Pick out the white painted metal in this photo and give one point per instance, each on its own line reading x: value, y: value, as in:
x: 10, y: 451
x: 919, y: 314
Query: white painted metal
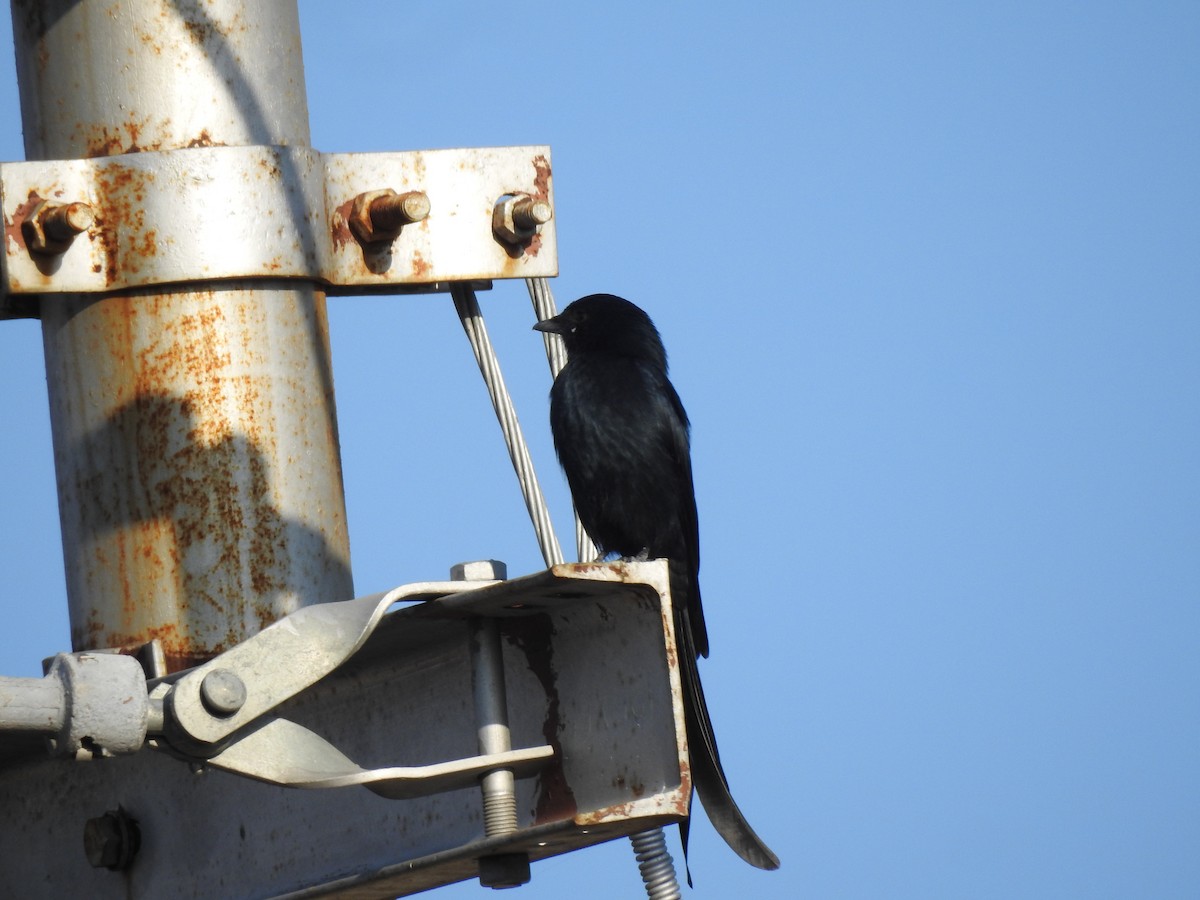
x: 194, y: 428
x: 210, y: 213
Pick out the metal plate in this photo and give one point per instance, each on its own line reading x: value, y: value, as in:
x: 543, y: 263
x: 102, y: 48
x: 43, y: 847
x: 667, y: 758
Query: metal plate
x: 215, y: 213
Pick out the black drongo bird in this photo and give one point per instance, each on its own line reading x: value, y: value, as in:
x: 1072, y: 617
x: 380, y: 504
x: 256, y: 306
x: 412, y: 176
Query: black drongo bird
x: 622, y: 437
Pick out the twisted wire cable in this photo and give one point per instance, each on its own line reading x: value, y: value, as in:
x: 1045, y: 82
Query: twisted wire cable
x: 469, y: 314
x: 556, y: 354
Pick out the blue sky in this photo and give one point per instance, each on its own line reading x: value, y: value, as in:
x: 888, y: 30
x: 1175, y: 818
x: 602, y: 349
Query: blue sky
x: 929, y: 276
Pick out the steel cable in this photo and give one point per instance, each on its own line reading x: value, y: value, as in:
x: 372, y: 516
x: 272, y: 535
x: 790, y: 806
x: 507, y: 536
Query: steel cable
x: 556, y: 354
x: 485, y: 354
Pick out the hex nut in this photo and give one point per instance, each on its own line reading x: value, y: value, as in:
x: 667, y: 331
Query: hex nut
x: 516, y: 218
x: 377, y: 217
x: 479, y: 570
x: 112, y: 840
x: 51, y: 227
x: 504, y: 870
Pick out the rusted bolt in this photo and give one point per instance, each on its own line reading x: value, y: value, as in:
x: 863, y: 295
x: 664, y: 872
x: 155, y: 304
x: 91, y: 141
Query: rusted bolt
x: 516, y: 218
x: 530, y: 213
x: 378, y: 216
x: 112, y: 840
x: 222, y: 692
x: 51, y: 227
x: 397, y: 210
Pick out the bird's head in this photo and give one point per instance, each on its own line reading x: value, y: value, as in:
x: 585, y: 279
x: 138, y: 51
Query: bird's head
x: 604, y: 324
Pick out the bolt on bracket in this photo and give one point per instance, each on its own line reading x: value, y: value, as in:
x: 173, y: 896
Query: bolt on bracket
x: 51, y: 227
x: 213, y: 213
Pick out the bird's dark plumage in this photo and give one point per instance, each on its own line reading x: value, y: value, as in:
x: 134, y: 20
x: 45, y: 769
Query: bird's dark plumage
x: 622, y: 437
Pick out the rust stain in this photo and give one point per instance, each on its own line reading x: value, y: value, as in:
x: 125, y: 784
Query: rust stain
x: 541, y: 178
x: 148, y: 246
x: 615, y: 570
x: 607, y: 813
x: 420, y: 266
x: 119, y: 139
x: 532, y: 636
x: 534, y: 247
x: 204, y: 139
x: 270, y: 169
x: 517, y: 254
x: 541, y: 191
x: 339, y: 227
x: 14, y: 227
x: 150, y: 41
x: 200, y: 32
x: 685, y: 784
x: 176, y: 650
x: 120, y: 217
x: 677, y: 807
x: 105, y: 144
x: 185, y: 519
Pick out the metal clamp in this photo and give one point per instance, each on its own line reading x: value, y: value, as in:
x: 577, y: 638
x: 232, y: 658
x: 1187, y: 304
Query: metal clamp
x: 220, y: 714
x: 348, y: 220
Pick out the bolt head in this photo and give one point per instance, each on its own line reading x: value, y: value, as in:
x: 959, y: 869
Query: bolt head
x: 112, y: 840
x: 222, y: 692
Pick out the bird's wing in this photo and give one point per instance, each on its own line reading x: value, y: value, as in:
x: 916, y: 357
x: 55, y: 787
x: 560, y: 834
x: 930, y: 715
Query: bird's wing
x: 678, y: 440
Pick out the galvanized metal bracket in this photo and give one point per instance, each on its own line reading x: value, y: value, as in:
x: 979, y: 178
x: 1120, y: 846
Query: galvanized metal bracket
x: 100, y: 704
x: 209, y: 704
x: 354, y: 222
x: 591, y: 668
x: 220, y: 711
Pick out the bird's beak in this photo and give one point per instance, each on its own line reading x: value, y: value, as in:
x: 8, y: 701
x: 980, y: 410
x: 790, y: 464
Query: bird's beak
x: 550, y: 326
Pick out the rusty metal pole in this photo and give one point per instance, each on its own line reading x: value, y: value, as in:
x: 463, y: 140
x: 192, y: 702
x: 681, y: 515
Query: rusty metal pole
x: 195, y: 437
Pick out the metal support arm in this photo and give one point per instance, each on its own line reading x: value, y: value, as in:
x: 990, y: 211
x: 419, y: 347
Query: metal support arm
x: 220, y: 712
x: 590, y: 668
